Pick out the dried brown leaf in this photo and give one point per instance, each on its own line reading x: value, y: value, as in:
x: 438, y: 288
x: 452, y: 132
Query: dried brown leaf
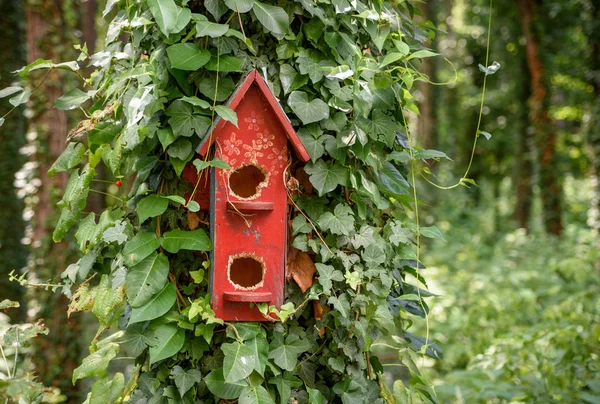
x: 193, y: 220
x: 300, y: 268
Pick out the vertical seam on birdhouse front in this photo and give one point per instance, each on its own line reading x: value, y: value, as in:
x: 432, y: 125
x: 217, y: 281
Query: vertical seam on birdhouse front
x: 253, y: 256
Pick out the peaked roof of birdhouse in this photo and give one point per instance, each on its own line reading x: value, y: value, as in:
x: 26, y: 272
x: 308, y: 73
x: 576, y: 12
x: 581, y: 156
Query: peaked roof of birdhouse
x: 254, y: 78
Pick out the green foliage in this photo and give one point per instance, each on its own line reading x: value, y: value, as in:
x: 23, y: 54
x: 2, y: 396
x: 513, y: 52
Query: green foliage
x: 519, y: 320
x: 156, y: 97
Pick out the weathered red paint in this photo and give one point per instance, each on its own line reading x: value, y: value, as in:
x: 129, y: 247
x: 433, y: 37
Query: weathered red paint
x: 252, y: 228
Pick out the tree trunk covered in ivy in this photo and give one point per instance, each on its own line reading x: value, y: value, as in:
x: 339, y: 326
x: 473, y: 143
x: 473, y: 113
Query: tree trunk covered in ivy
x: 12, y: 138
x: 545, y: 131
x: 57, y: 355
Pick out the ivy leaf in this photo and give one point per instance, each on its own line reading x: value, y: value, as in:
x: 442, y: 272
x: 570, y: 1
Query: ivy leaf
x: 166, y: 137
x: 211, y: 29
x: 307, y: 111
x: 176, y: 240
x: 325, y: 177
x: 339, y: 222
x: 106, y: 300
x: 73, y: 99
x: 260, y: 351
x: 140, y: 246
x: 146, y: 279
x: 392, y: 181
x: 151, y: 206
x: 197, y: 102
x: 104, y: 132
x: 255, y: 395
x: 284, y: 383
x: 96, y: 363
x: 107, y: 391
x: 341, y: 304
x: 21, y: 98
x: 239, y: 361
x: 285, y: 354
x: 187, y: 56
x: 273, y: 18
x: 340, y: 72
x: 169, y: 341
x: 424, y: 53
x: 185, y: 379
x: 184, y: 122
x: 219, y: 387
x: 157, y: 306
x: 5, y: 92
x: 69, y: 158
x: 313, y: 146
x: 223, y: 90
x: 328, y: 274
x: 181, y: 149
x: 169, y: 17
x: 224, y: 64
x: 241, y: 6
x: 227, y: 113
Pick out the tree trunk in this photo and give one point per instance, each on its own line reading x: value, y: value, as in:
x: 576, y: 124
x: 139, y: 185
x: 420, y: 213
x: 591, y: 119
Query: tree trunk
x: 12, y: 138
x: 57, y: 355
x: 524, y: 160
x: 426, y: 122
x: 545, y: 132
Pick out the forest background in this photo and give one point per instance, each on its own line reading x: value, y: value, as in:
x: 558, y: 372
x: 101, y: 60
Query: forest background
x: 517, y: 315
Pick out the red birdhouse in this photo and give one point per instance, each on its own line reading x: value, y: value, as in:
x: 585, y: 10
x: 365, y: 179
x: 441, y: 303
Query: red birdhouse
x: 248, y: 204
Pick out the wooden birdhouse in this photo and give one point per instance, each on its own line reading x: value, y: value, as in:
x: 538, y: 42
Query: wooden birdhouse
x: 248, y: 204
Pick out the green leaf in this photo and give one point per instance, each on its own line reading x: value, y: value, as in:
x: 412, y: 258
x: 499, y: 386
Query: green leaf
x: 96, y: 363
x: 169, y: 17
x: 169, y: 341
x: 224, y: 64
x: 431, y: 232
x: 284, y: 383
x: 140, y: 246
x: 216, y: 162
x: 325, y: 177
x: 328, y: 274
x: 106, y: 300
x: 493, y: 68
x: 73, y: 99
x: 285, y: 354
x: 216, y: 7
x: 151, y: 206
x: 211, y: 29
x: 430, y: 154
x: 313, y: 146
x: 185, y: 379
x: 392, y: 181
x: 424, y: 53
x: 176, y: 240
x: 187, y: 56
x: 307, y: 111
x: 184, y: 122
x: 487, y: 135
x: 166, y: 137
x: 239, y: 361
x: 69, y: 158
x: 260, y: 350
x: 107, y: 391
x: 340, y: 72
x: 181, y: 149
x: 223, y: 90
x: 340, y: 222
x: 5, y: 92
x: 273, y: 18
x: 219, y: 387
x: 21, y: 98
x: 227, y: 113
x: 146, y: 279
x: 255, y: 395
x: 197, y: 102
x: 391, y: 58
x: 241, y: 6
x: 157, y: 306
x: 175, y: 198
x: 104, y: 132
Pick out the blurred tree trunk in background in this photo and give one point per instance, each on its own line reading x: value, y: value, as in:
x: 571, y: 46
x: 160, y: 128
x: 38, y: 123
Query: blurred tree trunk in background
x: 545, y: 132
x: 49, y: 33
x: 12, y: 138
x: 524, y: 160
x: 426, y: 122
x: 593, y: 34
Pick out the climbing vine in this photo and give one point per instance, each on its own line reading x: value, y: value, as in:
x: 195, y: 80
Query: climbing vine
x: 343, y: 72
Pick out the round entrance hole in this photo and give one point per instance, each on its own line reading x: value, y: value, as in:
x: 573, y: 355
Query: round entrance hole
x: 246, y: 272
x: 246, y: 181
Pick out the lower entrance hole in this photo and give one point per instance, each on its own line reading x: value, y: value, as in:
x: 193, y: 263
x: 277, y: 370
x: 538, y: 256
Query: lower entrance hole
x: 247, y: 181
x: 246, y: 272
